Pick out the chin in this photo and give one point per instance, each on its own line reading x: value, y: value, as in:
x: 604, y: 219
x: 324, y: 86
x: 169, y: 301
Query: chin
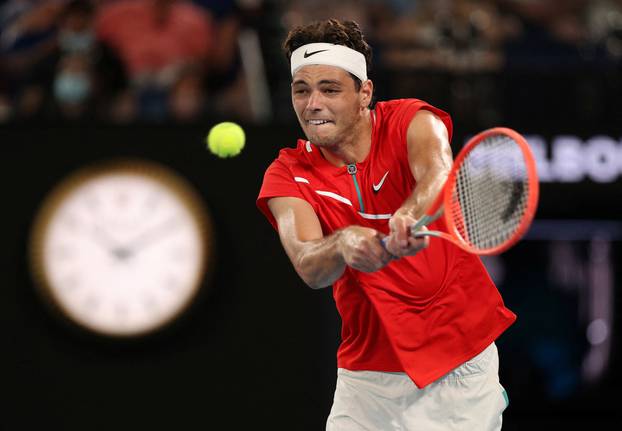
x: 322, y: 140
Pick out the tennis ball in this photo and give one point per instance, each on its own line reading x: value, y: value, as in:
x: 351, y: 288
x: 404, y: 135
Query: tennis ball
x: 226, y: 139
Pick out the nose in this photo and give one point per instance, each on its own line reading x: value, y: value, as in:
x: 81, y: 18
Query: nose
x: 314, y: 103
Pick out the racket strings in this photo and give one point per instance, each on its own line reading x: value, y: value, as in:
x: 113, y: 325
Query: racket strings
x: 491, y: 193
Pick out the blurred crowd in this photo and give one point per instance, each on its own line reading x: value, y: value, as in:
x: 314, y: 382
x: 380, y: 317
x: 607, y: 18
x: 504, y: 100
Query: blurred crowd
x: 124, y: 61
x: 120, y: 61
x: 477, y: 35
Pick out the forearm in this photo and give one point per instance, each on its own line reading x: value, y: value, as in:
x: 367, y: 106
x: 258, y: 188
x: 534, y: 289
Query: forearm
x: 424, y: 194
x: 318, y: 259
x: 320, y: 262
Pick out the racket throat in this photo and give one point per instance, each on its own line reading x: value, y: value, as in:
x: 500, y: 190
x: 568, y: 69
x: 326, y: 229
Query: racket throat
x: 352, y: 171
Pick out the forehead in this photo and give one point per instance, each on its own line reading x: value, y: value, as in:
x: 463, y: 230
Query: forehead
x: 315, y: 73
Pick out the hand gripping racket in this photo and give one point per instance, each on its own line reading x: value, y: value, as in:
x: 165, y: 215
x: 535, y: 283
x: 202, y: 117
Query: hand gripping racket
x: 490, y: 196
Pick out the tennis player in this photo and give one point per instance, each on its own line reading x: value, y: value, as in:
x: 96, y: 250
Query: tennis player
x: 419, y: 317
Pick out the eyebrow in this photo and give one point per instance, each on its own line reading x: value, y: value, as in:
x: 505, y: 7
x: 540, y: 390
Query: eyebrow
x: 323, y: 81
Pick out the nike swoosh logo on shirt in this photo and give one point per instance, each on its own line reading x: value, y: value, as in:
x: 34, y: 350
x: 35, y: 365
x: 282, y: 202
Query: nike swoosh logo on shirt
x: 309, y: 54
x: 379, y: 185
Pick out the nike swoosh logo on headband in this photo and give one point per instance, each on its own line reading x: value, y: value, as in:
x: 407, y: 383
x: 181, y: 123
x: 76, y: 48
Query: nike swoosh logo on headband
x: 309, y: 54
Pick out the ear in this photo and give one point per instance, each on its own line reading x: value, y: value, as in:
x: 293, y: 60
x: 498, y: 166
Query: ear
x: 366, y: 93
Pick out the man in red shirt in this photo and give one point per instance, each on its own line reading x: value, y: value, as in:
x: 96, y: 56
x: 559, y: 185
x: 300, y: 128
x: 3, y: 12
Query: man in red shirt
x: 419, y: 316
x: 155, y: 36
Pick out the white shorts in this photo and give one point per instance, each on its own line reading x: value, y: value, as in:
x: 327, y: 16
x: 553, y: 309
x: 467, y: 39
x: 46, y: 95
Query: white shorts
x: 468, y: 398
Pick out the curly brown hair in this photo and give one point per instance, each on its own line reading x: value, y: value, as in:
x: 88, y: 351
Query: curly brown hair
x: 347, y: 33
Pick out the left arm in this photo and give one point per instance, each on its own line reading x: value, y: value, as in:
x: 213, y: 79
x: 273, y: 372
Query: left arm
x: 430, y: 160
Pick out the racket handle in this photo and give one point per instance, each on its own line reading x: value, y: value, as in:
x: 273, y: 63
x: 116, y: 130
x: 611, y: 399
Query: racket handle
x: 421, y: 234
x: 414, y: 229
x: 424, y: 233
x: 424, y: 221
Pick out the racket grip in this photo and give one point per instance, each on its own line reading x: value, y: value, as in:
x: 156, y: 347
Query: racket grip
x: 422, y: 222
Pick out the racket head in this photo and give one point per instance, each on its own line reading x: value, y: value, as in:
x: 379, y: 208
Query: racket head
x: 491, y: 194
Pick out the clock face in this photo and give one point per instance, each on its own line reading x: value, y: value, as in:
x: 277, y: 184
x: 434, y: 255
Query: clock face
x: 121, y: 250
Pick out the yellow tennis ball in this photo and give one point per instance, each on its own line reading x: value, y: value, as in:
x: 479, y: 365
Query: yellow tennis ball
x: 226, y: 139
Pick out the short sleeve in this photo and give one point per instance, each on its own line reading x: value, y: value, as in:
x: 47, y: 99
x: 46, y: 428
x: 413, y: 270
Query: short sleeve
x: 277, y: 182
x: 410, y: 107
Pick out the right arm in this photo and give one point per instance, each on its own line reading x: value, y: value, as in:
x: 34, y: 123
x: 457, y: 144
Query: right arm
x: 320, y: 260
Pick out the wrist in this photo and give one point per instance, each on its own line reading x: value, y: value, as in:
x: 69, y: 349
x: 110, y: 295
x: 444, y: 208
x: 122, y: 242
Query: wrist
x: 405, y: 211
x: 340, y: 244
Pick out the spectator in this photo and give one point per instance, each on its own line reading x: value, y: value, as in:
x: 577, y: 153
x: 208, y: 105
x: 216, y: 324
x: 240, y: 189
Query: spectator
x: 551, y: 34
x: 604, y: 27
x: 187, y: 98
x: 27, y: 42
x: 78, y: 77
x: 87, y: 75
x: 156, y: 40
x: 225, y: 81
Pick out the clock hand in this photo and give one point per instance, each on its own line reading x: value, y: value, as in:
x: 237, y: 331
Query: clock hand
x: 111, y: 245
x: 152, y: 235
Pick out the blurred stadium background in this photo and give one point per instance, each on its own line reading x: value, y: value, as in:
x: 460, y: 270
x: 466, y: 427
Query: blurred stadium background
x: 87, y: 81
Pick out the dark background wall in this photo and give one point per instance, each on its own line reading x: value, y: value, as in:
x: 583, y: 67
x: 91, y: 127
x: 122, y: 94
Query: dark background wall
x: 257, y: 351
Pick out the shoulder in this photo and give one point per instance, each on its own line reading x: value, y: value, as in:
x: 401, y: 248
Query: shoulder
x: 400, y: 112
x: 399, y: 106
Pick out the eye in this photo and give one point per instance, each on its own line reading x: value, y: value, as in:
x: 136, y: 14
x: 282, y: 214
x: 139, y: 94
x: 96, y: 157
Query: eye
x: 300, y: 91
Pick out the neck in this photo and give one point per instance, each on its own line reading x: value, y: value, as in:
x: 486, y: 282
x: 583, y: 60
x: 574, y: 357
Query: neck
x: 355, y: 147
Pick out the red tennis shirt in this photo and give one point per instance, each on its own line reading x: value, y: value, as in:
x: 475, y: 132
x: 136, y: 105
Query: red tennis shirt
x: 423, y: 315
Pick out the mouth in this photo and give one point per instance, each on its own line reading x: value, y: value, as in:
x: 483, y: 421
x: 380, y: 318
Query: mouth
x: 318, y: 122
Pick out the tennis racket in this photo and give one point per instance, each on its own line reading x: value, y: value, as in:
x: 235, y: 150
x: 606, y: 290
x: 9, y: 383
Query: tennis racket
x: 490, y: 196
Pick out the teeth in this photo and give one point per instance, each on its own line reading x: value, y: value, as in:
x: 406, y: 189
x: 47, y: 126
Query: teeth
x: 317, y: 122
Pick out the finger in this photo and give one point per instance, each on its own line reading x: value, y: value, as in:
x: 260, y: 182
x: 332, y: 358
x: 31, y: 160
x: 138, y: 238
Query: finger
x: 419, y: 242
x: 364, y: 260
x: 384, y: 240
x: 385, y: 256
x: 392, y: 246
x: 379, y: 257
x: 376, y: 257
x: 402, y: 232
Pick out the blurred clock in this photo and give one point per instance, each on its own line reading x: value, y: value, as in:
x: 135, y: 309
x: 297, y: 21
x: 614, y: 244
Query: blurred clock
x: 121, y: 248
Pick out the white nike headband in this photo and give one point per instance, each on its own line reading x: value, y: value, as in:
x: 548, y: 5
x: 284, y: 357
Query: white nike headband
x: 330, y: 55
